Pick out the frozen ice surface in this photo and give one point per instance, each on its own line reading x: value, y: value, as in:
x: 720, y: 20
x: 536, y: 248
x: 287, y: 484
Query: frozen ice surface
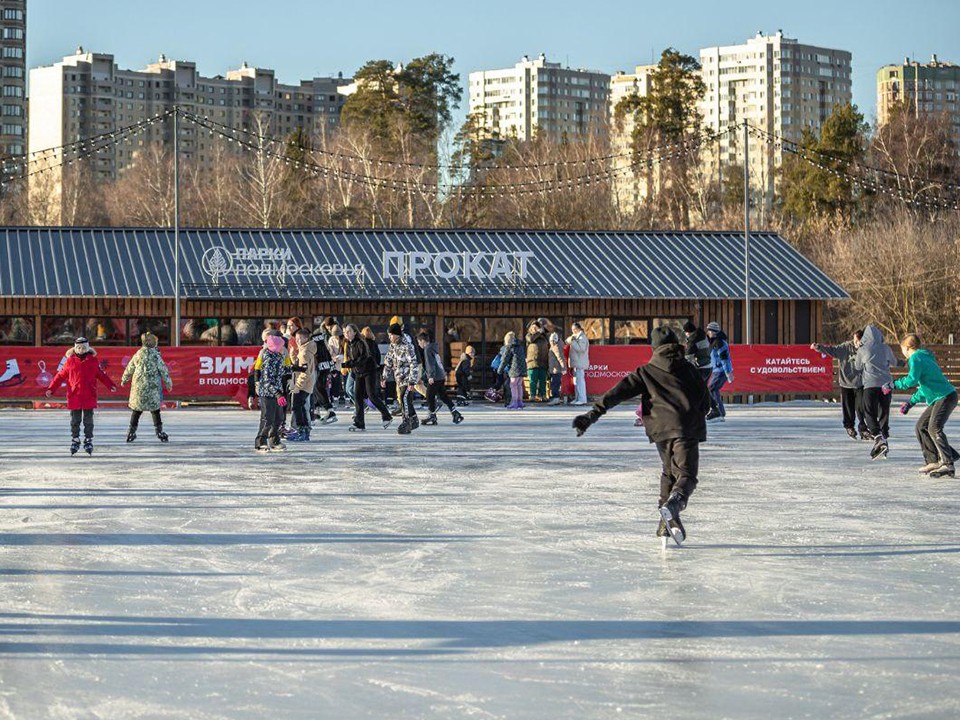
x: 499, y: 569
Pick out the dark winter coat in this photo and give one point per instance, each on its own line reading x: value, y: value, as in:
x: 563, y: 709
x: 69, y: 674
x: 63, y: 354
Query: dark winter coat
x: 538, y: 350
x: 874, y: 359
x: 512, y: 360
x: 674, y: 397
x: 374, y: 352
x: 272, y: 375
x: 464, y: 368
x: 324, y: 361
x: 432, y: 364
x: 720, y: 361
x: 848, y: 376
x: 81, y: 373
x: 358, y: 359
x: 698, y: 350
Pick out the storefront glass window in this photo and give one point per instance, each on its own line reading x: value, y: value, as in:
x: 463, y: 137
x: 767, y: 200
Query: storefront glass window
x: 158, y: 326
x: 200, y: 331
x: 597, y: 330
x: 631, y: 332
x: 98, y: 330
x: 675, y: 324
x: 241, y: 331
x: 16, y: 331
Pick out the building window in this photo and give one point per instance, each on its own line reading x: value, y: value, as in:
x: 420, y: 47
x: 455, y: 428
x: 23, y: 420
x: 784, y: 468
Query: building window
x: 158, y: 326
x: 16, y: 331
x: 13, y: 71
x: 631, y: 332
x: 200, y: 331
x: 98, y: 330
x: 13, y: 52
x: 12, y: 91
x: 10, y: 33
x: 13, y: 110
x: 10, y: 14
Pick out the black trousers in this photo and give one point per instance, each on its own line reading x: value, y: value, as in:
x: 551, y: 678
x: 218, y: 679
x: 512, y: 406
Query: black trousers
x: 405, y: 397
x: 135, y: 419
x: 300, y: 416
x: 320, y: 397
x: 367, y: 387
x: 463, y: 386
x: 936, y: 447
x: 680, y: 458
x: 75, y: 417
x: 438, y: 390
x: 876, y: 411
x: 852, y: 401
x: 271, y: 416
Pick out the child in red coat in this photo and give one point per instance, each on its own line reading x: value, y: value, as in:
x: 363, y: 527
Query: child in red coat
x: 81, y: 372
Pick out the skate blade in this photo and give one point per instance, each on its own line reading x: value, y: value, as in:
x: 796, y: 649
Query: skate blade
x: 674, y: 532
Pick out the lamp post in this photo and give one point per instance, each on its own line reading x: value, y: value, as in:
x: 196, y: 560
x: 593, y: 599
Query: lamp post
x: 748, y: 335
x: 176, y: 225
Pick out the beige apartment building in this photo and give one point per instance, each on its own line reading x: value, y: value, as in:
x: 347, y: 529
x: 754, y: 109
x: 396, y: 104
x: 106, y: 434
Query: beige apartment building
x: 87, y: 95
x: 629, y: 185
x: 539, y: 97
x: 931, y: 88
x: 776, y: 84
x: 13, y: 83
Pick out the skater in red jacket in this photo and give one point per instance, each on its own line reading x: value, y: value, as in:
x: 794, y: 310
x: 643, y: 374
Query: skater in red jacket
x: 81, y: 372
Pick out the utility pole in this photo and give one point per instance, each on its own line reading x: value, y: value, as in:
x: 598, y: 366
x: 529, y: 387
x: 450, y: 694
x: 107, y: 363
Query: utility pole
x: 748, y: 335
x: 176, y: 225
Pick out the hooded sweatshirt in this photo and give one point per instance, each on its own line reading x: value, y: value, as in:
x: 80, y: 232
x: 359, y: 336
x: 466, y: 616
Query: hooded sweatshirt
x: 874, y: 359
x: 849, y: 376
x: 432, y: 363
x: 925, y: 375
x: 674, y: 397
x: 720, y: 355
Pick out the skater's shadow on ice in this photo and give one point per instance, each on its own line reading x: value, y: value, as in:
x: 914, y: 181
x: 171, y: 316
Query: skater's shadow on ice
x: 163, y: 492
x: 30, y: 572
x: 138, y: 539
x: 838, y: 550
x: 443, y: 637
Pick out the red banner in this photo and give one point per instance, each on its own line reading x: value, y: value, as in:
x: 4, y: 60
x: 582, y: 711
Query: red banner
x: 197, y: 372
x: 757, y: 369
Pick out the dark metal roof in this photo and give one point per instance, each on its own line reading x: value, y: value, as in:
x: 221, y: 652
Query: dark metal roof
x: 389, y: 264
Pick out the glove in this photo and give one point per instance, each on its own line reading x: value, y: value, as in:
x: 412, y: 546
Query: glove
x: 581, y: 423
x: 887, y: 388
x: 282, y: 401
x: 906, y: 407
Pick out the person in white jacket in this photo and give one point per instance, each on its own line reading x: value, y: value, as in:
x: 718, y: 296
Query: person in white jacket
x: 579, y: 362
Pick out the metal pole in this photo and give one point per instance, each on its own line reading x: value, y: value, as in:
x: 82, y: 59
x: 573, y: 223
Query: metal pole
x: 176, y: 225
x: 748, y: 335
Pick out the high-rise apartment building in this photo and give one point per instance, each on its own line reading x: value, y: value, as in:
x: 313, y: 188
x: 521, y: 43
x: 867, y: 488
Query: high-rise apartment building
x: 926, y: 88
x: 629, y: 183
x: 539, y: 97
x: 13, y: 81
x: 777, y: 85
x: 87, y: 95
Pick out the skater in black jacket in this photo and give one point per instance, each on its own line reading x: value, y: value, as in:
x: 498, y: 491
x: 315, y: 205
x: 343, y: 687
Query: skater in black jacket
x: 675, y: 401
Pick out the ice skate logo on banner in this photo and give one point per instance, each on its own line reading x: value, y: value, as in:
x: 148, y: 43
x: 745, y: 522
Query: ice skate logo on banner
x: 217, y: 262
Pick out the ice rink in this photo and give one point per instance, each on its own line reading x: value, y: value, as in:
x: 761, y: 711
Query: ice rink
x: 499, y: 569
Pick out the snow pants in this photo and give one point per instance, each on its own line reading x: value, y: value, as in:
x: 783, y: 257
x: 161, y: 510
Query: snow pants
x: 271, y: 417
x: 852, y: 401
x: 87, y: 417
x: 936, y: 447
x: 876, y: 411
x: 680, y: 458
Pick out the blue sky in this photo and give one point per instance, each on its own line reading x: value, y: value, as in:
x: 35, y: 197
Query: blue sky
x: 300, y: 39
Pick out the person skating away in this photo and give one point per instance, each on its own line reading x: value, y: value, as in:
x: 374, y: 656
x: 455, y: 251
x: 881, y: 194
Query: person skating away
x: 513, y: 366
x: 464, y: 374
x: 304, y: 367
x: 360, y: 360
x: 81, y: 372
x: 270, y: 391
x: 579, y: 362
x: 401, y: 365
x: 851, y: 384
x: 322, y: 407
x: 675, y: 402
x: 538, y: 362
x: 557, y: 366
x: 874, y: 359
x: 436, y: 377
x: 721, y: 371
x: 935, y: 390
x: 147, y: 374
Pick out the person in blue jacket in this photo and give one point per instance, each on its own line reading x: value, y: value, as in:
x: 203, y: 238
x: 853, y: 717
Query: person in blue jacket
x: 722, y: 371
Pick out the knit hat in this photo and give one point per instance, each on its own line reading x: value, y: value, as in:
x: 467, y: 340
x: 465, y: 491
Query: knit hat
x: 714, y: 327
x: 81, y: 346
x: 148, y: 339
x: 275, y: 343
x: 689, y: 327
x: 395, y: 329
x: 663, y: 336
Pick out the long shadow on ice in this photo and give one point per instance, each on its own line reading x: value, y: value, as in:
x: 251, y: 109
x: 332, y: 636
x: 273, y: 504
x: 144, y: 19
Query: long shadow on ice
x: 137, y: 539
x: 838, y: 550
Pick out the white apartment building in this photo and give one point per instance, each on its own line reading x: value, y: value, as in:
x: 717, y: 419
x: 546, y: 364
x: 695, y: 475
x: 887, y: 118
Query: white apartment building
x: 776, y: 84
x: 629, y: 185
x: 536, y: 96
x: 87, y: 95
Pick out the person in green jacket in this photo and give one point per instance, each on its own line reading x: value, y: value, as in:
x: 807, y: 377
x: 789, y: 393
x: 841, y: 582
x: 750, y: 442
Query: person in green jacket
x: 941, y: 398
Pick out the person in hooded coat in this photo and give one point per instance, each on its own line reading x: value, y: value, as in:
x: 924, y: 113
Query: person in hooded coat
x: 851, y: 384
x: 721, y: 371
x: 304, y: 366
x: 147, y: 374
x: 537, y: 361
x: 873, y: 360
x: 81, y: 371
x: 675, y: 401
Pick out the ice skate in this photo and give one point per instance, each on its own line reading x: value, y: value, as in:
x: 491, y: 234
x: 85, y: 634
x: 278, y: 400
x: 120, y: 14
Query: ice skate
x: 944, y: 471
x: 670, y: 512
x: 356, y: 428
x: 75, y: 446
x: 431, y: 420
x: 131, y: 436
x: 387, y: 423
x: 162, y: 436
x: 457, y: 417
x: 714, y: 417
x: 328, y: 418
x: 414, y: 422
x: 404, y: 428
x: 881, y: 450
x: 88, y: 446
x: 263, y: 449
x: 852, y: 433
x: 11, y: 375
x: 866, y: 436
x: 278, y: 446
x: 929, y: 468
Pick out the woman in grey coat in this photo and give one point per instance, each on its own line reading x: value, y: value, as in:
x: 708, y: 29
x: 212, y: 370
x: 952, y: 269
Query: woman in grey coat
x: 851, y: 384
x: 874, y: 359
